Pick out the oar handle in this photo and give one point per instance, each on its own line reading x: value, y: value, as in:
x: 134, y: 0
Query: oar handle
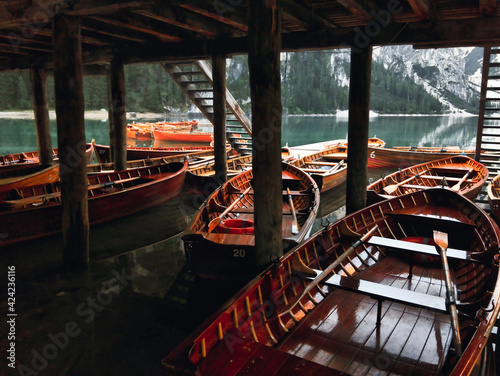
x: 456, y: 187
x: 295, y: 225
x: 213, y: 224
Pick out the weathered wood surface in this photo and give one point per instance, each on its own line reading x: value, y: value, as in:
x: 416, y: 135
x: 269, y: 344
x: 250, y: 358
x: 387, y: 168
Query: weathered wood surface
x: 219, y: 102
x: 41, y: 110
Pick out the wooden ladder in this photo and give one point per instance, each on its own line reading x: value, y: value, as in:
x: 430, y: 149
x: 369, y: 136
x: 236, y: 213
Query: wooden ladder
x: 194, y: 77
x: 488, y: 127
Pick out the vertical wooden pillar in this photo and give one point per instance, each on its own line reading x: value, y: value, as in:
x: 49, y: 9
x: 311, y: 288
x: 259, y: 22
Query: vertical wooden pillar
x: 110, y: 115
x: 118, y: 114
x: 264, y: 36
x: 68, y: 80
x: 41, y: 110
x: 219, y: 94
x: 359, y: 108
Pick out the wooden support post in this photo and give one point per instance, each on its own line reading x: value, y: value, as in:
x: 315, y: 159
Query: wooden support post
x: 110, y: 115
x: 68, y: 80
x: 41, y: 110
x: 219, y: 93
x: 264, y: 39
x: 359, y: 108
x: 119, y: 114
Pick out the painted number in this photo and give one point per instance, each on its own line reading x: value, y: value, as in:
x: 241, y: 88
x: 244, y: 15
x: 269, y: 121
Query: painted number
x: 372, y: 155
x: 239, y: 253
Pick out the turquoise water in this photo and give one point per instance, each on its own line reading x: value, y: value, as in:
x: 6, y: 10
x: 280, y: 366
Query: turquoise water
x: 20, y: 135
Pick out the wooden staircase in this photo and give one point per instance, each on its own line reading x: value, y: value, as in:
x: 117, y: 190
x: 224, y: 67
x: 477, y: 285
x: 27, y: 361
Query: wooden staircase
x: 194, y: 77
x: 488, y: 128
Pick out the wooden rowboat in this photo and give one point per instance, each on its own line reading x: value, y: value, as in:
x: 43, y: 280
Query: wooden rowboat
x: 139, y: 132
x: 462, y: 174
x: 401, y: 157
x: 182, y: 136
x: 26, y: 174
x: 380, y: 308
x: 32, y: 156
x: 136, y: 153
x: 34, y: 212
x: 228, y: 250
x: 493, y: 192
x: 373, y: 142
x: 328, y: 167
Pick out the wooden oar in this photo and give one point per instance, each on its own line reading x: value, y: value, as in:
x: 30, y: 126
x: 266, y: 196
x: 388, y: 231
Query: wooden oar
x: 392, y: 188
x: 330, y: 268
x: 456, y: 187
x: 15, y: 204
x: 215, y: 222
x: 295, y: 225
x: 441, y: 240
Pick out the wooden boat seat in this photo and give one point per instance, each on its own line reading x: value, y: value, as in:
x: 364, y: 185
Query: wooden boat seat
x: 446, y: 178
x: 452, y: 253
x: 322, y: 163
x: 382, y: 292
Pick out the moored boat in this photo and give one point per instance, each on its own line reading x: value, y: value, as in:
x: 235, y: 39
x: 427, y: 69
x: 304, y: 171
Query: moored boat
x: 139, y: 131
x: 328, y: 167
x: 26, y: 174
x: 135, y: 153
x: 493, y: 192
x: 29, y: 213
x: 182, y: 135
x: 220, y: 242
x: 32, y: 156
x: 401, y: 157
x: 461, y: 173
x: 370, y: 305
x: 373, y: 142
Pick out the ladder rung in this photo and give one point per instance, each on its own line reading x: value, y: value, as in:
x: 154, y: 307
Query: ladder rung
x: 495, y: 51
x: 207, y: 90
x: 492, y: 108
x: 495, y: 77
x: 490, y: 142
x: 494, y: 65
x: 186, y: 73
x: 187, y: 82
x: 493, y: 88
x: 492, y: 99
x: 491, y: 118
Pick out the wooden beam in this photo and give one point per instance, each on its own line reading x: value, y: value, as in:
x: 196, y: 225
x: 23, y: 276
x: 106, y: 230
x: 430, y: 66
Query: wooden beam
x: 41, y: 110
x: 422, y: 8
x: 357, y: 136
x: 488, y: 7
x: 118, y: 114
x: 219, y: 118
x: 360, y: 8
x: 219, y: 11
x: 306, y: 15
x: 264, y: 46
x: 68, y: 82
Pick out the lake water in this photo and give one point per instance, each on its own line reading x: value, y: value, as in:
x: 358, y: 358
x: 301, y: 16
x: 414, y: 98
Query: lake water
x: 20, y: 135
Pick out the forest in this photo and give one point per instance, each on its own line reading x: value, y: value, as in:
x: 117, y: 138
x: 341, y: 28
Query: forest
x: 312, y: 83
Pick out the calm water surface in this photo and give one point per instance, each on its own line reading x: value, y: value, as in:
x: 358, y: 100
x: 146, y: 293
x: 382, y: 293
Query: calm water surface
x: 20, y: 135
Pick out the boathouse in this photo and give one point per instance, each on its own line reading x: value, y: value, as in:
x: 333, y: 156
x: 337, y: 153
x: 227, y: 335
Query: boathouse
x: 70, y: 38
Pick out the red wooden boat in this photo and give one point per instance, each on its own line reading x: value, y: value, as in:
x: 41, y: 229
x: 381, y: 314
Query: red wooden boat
x: 139, y: 131
x: 402, y: 156
x: 379, y: 307
x: 182, y: 136
x: 34, y: 212
x: 26, y: 174
x: 228, y: 250
x: 32, y: 156
x: 373, y: 142
x: 493, y: 192
x: 328, y: 167
x: 461, y: 173
x: 136, y: 153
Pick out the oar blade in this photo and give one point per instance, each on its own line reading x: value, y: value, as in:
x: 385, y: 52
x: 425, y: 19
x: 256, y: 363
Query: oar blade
x: 390, y: 189
x: 213, y: 224
x: 441, y: 239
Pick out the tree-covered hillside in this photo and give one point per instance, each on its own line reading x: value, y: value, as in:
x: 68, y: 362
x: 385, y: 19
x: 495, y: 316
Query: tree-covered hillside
x: 312, y: 83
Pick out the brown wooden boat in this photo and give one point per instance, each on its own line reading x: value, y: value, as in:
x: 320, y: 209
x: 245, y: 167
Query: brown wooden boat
x: 32, y: 156
x: 136, y: 153
x: 462, y: 174
x: 379, y: 308
x: 228, y: 249
x: 20, y: 175
x: 402, y: 156
x: 29, y: 213
x: 373, y: 142
x: 328, y: 167
x: 493, y: 192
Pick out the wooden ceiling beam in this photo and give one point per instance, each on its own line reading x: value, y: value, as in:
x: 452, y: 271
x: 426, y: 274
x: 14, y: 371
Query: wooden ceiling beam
x: 142, y: 27
x: 422, y: 8
x: 221, y: 12
x: 15, y: 49
x: 306, y: 15
x: 110, y: 35
x: 488, y: 7
x: 360, y: 8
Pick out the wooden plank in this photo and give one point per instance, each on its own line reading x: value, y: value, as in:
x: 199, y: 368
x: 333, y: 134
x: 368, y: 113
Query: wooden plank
x: 118, y: 114
x: 68, y: 82
x: 417, y: 247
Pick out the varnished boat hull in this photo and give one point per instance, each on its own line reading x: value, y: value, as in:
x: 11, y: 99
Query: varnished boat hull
x: 493, y: 192
x: 451, y: 168
x: 136, y: 153
x: 332, y: 331
x: 44, y: 217
x: 182, y: 136
x: 32, y: 157
x: 26, y: 174
x: 394, y: 158
x: 229, y: 254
